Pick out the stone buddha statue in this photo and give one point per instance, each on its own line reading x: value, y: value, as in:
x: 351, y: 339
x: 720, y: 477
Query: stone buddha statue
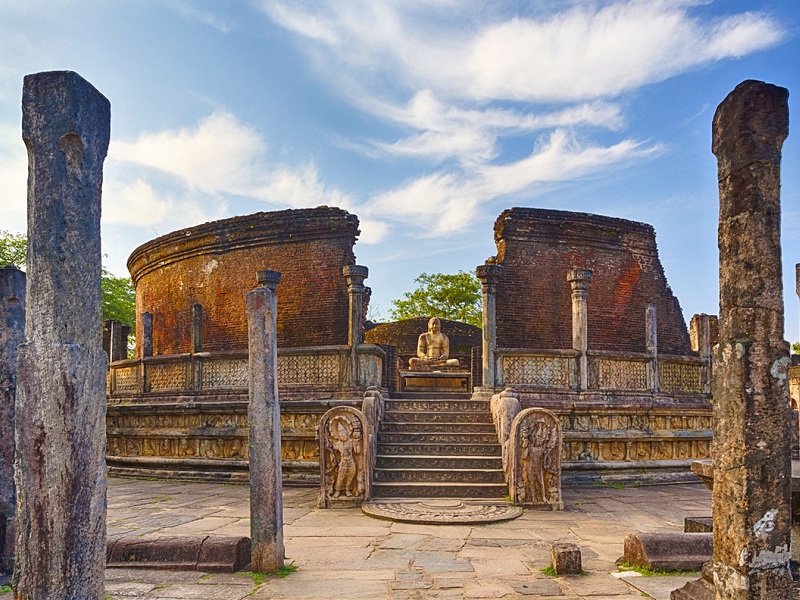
x: 433, y: 349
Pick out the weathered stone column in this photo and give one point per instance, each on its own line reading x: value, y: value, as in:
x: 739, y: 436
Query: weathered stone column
x: 60, y: 465
x: 12, y: 331
x: 147, y: 334
x: 197, y: 327
x: 355, y: 274
x: 264, y: 417
x: 651, y: 342
x: 701, y: 340
x: 489, y: 273
x: 579, y: 279
x: 752, y: 437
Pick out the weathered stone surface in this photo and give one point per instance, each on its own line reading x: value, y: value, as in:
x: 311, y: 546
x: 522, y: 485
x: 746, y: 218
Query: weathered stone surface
x: 488, y: 274
x: 752, y: 440
x: 345, y: 458
x: 505, y: 406
x: 535, y: 465
x: 668, y: 551
x: 12, y: 330
x: 60, y: 411
x: 566, y: 559
x: 266, y: 500
x: 212, y: 554
x: 698, y: 525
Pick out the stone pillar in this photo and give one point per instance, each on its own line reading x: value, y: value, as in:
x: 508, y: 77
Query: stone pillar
x: 60, y: 464
x: 489, y: 273
x: 579, y: 279
x: 147, y: 334
x: 12, y: 330
x: 355, y: 275
x: 752, y: 437
x: 197, y: 328
x: 651, y: 343
x: 118, y: 343
x: 702, y: 340
x: 264, y: 417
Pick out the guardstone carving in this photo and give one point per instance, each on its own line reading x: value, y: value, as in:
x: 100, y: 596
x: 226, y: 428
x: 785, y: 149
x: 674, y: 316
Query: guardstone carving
x: 505, y: 407
x: 344, y: 453
x: 535, y: 453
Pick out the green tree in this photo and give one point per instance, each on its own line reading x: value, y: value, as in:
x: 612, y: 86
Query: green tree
x: 119, y: 300
x: 796, y: 348
x: 456, y: 297
x: 12, y: 249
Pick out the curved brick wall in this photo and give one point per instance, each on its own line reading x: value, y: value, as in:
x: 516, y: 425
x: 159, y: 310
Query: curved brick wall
x: 215, y: 264
x: 536, y: 247
x: 404, y: 335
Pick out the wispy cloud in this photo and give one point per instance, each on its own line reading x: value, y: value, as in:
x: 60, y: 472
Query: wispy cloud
x: 195, y: 170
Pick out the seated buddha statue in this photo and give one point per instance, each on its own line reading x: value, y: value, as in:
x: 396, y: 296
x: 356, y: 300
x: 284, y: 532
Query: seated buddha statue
x: 433, y: 349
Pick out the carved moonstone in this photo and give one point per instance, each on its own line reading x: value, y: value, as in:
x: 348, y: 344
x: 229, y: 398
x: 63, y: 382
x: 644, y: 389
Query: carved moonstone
x: 344, y: 456
x: 535, y: 453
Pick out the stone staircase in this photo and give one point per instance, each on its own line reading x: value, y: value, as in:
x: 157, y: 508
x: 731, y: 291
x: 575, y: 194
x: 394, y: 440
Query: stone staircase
x: 438, y: 445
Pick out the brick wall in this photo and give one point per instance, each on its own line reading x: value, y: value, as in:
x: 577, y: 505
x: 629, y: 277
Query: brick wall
x: 215, y: 265
x: 536, y: 247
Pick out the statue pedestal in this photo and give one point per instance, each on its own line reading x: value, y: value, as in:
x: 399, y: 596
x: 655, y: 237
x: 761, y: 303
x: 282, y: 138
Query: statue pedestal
x: 436, y: 381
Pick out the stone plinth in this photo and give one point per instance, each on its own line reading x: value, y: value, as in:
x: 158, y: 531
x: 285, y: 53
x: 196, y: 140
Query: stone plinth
x: 447, y: 382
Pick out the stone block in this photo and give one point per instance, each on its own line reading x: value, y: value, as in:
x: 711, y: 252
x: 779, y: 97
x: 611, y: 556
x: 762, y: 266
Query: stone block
x: 698, y: 524
x: 215, y: 554
x: 668, y: 551
x: 566, y: 559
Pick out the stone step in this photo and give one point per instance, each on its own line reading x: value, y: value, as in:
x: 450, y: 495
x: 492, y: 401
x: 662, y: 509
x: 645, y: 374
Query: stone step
x: 436, y: 438
x: 437, y: 416
x: 437, y: 405
x: 412, y: 461
x: 437, y: 449
x: 439, y: 490
x: 438, y: 427
x: 439, y: 475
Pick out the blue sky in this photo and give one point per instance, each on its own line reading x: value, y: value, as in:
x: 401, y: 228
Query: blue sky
x: 424, y: 118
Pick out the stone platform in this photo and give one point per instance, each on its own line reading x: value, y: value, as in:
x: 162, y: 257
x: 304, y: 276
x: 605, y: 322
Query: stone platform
x: 436, y: 381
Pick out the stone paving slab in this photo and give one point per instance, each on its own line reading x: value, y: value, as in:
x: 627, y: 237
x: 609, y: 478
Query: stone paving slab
x: 345, y: 554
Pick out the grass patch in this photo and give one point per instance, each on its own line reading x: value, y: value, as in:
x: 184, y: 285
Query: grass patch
x: 645, y: 572
x: 612, y: 484
x: 549, y: 571
x: 259, y: 578
x: 5, y: 588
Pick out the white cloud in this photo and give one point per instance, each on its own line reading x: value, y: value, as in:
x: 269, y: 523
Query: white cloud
x: 445, y: 202
x: 203, y: 16
x: 13, y: 180
x: 589, y: 50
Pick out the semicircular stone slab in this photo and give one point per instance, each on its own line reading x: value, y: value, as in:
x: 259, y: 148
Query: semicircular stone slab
x: 435, y: 511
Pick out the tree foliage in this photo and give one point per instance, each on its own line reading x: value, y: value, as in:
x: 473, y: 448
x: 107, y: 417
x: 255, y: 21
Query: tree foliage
x: 119, y: 300
x: 13, y: 247
x: 456, y: 297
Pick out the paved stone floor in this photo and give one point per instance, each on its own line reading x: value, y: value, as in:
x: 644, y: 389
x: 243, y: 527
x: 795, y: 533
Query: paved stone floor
x: 345, y: 554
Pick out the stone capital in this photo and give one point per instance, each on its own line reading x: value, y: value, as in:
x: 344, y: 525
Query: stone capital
x: 356, y: 274
x: 488, y: 274
x: 269, y: 279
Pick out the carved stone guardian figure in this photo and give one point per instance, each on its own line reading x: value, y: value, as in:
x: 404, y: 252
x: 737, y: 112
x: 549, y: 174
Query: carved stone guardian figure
x: 535, y: 453
x: 344, y: 454
x: 433, y: 349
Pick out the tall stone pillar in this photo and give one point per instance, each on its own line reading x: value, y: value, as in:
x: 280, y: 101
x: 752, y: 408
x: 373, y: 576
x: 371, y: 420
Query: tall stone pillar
x: 264, y: 417
x: 12, y: 331
x: 702, y: 340
x: 60, y: 465
x: 197, y: 327
x: 355, y: 274
x: 579, y: 279
x: 752, y: 436
x: 489, y: 273
x: 651, y: 343
x: 147, y: 334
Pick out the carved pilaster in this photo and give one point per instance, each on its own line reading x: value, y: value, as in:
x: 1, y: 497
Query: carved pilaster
x: 355, y: 274
x: 489, y: 273
x: 579, y: 280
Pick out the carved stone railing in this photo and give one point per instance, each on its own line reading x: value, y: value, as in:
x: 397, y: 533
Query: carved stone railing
x: 327, y: 366
x: 607, y: 371
x: 536, y: 368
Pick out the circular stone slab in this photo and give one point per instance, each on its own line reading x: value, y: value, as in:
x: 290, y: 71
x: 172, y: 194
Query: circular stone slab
x: 434, y: 511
